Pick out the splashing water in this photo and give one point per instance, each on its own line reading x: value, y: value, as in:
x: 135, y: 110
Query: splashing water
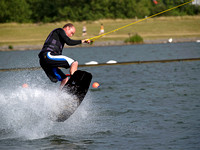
x: 30, y: 112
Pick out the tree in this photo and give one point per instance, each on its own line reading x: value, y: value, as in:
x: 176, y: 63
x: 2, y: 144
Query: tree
x: 79, y: 10
x: 14, y: 11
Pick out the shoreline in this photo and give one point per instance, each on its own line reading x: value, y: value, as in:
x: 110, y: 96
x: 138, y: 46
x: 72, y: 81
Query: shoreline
x: 102, y: 43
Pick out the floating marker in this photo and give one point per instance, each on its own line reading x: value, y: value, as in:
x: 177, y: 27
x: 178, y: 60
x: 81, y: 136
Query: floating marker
x: 95, y: 85
x: 25, y: 85
x: 91, y: 63
x: 111, y: 62
x: 170, y: 40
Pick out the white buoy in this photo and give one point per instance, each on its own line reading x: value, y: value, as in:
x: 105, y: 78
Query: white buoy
x: 170, y: 40
x: 91, y: 63
x: 198, y: 41
x: 111, y: 62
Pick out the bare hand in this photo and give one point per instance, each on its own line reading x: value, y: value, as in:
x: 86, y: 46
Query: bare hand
x: 86, y: 41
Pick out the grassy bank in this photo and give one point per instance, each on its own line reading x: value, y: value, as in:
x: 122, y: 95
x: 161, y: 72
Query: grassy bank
x: 155, y: 28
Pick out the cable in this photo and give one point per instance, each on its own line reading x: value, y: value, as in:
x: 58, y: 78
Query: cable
x: 99, y: 36
x: 111, y: 64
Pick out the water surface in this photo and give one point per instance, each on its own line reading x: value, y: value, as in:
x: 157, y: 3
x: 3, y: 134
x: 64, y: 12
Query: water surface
x: 145, y: 106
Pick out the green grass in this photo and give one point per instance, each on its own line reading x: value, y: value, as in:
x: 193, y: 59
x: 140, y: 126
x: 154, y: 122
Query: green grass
x: 154, y: 28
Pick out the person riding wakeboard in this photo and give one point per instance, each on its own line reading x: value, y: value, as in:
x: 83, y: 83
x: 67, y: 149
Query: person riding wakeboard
x: 51, y: 58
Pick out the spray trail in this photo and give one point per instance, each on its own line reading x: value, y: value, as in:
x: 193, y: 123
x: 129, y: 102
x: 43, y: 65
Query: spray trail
x: 29, y: 112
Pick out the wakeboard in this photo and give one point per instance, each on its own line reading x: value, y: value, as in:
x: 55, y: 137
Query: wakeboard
x: 77, y: 86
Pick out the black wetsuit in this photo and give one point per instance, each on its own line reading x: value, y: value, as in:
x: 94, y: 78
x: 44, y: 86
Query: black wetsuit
x: 51, y: 54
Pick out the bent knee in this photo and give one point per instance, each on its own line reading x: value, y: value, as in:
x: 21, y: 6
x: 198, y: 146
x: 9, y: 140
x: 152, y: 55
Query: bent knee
x: 75, y: 63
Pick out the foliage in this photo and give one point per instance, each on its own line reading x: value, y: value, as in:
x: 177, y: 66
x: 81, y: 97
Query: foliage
x: 79, y: 10
x: 14, y: 11
x: 10, y: 47
x: 135, y: 39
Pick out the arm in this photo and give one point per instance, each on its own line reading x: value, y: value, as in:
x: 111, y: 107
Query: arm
x: 67, y: 40
x: 71, y: 42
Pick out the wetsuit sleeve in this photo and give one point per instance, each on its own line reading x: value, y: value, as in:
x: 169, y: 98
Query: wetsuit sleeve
x: 67, y: 40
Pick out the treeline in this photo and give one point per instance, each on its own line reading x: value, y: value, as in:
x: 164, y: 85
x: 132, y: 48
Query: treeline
x: 79, y: 10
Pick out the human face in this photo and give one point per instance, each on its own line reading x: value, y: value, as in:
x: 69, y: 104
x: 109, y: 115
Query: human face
x: 70, y: 31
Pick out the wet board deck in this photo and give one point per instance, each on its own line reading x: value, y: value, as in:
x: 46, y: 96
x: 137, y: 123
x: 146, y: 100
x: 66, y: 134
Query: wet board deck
x: 77, y: 86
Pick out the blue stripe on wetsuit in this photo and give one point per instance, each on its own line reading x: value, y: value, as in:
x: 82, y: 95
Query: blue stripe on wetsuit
x: 57, y: 75
x: 55, y: 58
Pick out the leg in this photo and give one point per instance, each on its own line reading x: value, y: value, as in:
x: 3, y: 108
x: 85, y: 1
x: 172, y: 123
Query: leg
x: 48, y: 70
x: 56, y: 61
x: 63, y: 82
x: 73, y: 67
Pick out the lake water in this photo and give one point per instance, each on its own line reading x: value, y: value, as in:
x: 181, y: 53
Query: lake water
x: 145, y: 106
